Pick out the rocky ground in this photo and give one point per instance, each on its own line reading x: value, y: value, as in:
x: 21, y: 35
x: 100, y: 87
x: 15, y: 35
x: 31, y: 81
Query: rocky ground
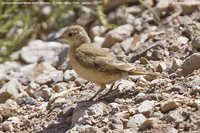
x: 41, y: 93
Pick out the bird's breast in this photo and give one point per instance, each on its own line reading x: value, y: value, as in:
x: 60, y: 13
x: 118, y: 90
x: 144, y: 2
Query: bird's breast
x: 90, y: 74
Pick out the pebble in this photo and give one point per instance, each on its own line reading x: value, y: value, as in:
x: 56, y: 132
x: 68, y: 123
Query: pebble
x: 190, y: 64
x: 9, y: 108
x: 117, y: 35
x: 11, y: 89
x: 168, y: 105
x: 136, y: 121
x: 146, y: 108
x: 162, y: 66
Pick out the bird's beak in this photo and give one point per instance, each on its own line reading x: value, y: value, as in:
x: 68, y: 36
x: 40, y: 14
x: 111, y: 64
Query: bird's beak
x: 61, y: 40
x: 58, y: 39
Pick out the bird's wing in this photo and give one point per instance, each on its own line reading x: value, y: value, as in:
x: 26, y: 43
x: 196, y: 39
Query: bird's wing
x: 99, y: 59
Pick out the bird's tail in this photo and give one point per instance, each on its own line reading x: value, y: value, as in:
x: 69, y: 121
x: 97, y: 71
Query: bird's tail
x: 137, y: 72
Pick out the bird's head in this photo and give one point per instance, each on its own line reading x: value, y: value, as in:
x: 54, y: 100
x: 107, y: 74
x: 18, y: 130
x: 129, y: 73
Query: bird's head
x: 74, y: 36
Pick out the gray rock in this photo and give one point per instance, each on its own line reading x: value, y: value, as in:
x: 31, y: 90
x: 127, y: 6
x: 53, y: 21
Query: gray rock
x: 116, y: 123
x: 130, y: 130
x: 58, y: 102
x: 195, y: 82
x: 14, y: 120
x: 126, y: 86
x: 70, y: 75
x: 146, y: 124
x: 117, y: 35
x: 7, y: 126
x: 48, y: 51
x: 146, y: 108
x: 86, y: 110
x: 176, y: 63
x: 175, y: 116
x: 171, y: 130
x: 8, y: 67
x: 126, y: 44
x: 162, y: 5
x: 84, y: 129
x: 12, y: 89
x: 136, y: 121
x: 182, y: 40
x: 49, y: 76
x: 97, y: 31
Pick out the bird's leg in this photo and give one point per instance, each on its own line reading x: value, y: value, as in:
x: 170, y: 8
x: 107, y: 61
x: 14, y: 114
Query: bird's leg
x: 83, y: 86
x: 103, y: 86
x: 110, y: 90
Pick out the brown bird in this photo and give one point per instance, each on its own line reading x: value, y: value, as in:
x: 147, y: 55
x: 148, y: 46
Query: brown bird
x: 91, y: 63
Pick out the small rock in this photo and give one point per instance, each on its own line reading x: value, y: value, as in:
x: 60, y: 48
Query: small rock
x: 126, y: 44
x: 7, y: 126
x: 174, y: 47
x: 158, y: 82
x: 50, y: 76
x: 175, y: 116
x: 84, y: 129
x: 195, y: 82
x: 116, y: 124
x: 190, y: 64
x: 9, y: 108
x: 135, y: 10
x: 58, y: 102
x: 126, y: 86
x: 14, y: 120
x: 98, y: 41
x: 171, y: 130
x: 197, y: 103
x: 43, y: 79
x: 43, y: 91
x: 136, y: 120
x: 189, y: 6
x: 146, y: 108
x: 11, y: 89
x: 130, y: 130
x: 196, y: 43
x: 114, y: 107
x: 176, y: 63
x: 32, y: 87
x: 155, y: 55
x: 84, y: 111
x: 162, y: 5
x: 117, y: 35
x: 97, y: 31
x: 70, y: 75
x: 168, y: 105
x: 161, y: 67
x: 182, y: 40
x: 61, y: 86
x: 144, y: 61
x: 146, y: 125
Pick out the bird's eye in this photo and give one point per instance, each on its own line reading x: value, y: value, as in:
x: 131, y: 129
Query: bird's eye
x: 70, y: 34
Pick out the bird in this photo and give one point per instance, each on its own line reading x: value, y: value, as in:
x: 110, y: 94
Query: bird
x: 91, y: 63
